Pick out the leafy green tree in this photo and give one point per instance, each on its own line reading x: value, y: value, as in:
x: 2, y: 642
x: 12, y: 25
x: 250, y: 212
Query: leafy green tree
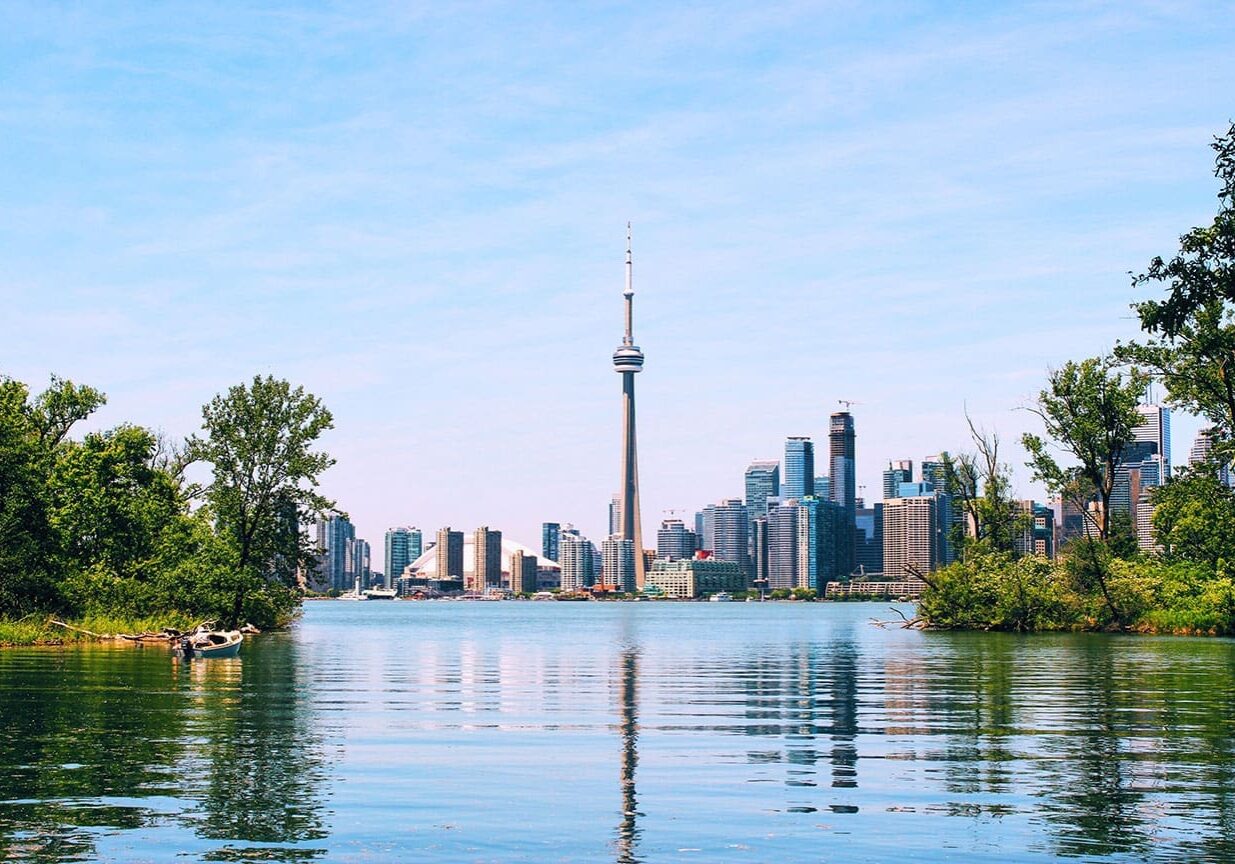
x: 110, y: 503
x: 31, y: 434
x: 259, y: 442
x: 1089, y: 412
x: 1194, y: 519
x: 1192, y: 329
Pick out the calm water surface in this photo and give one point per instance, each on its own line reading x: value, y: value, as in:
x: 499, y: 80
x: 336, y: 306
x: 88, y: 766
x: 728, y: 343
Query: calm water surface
x: 621, y: 732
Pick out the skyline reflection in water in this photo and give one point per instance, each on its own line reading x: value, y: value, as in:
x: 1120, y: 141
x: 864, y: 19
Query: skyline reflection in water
x: 743, y: 732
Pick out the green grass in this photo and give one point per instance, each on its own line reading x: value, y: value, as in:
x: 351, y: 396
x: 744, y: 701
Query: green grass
x: 38, y: 629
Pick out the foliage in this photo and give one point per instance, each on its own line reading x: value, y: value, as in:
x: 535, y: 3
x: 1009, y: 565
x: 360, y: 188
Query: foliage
x: 981, y: 484
x: 992, y: 590
x: 1194, y: 518
x: 103, y: 526
x: 258, y: 442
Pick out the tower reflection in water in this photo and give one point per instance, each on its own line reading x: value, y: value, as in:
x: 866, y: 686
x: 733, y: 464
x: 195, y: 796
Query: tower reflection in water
x: 628, y: 728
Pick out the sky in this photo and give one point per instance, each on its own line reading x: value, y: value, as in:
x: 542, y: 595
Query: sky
x: 417, y: 211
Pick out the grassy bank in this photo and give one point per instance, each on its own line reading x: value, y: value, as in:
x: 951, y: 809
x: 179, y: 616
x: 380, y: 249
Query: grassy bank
x: 38, y: 630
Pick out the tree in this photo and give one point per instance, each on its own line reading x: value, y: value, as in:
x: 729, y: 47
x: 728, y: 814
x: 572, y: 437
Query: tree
x: 1192, y: 344
x: 1194, y: 518
x: 31, y: 435
x: 258, y: 441
x: 982, y: 484
x: 1089, y: 411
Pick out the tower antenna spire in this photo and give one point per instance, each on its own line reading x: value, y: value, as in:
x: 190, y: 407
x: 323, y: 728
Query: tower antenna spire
x: 629, y: 294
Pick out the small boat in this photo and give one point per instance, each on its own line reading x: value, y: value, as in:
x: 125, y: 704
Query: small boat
x: 381, y: 594
x: 721, y: 597
x: 210, y: 643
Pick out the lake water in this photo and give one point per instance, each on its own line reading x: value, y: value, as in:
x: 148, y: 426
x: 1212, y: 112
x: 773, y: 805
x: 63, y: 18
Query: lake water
x: 558, y: 732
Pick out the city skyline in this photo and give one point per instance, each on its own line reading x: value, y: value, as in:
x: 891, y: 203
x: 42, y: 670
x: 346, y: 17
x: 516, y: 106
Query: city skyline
x: 425, y: 236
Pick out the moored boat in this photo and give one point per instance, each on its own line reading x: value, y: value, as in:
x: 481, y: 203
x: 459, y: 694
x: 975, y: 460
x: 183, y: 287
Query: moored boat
x: 210, y: 643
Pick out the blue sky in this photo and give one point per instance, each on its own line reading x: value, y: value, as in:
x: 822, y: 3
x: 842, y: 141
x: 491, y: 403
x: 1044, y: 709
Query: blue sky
x: 417, y: 211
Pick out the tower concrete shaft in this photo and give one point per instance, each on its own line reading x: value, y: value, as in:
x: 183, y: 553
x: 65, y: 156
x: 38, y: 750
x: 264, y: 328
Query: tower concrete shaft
x: 627, y: 361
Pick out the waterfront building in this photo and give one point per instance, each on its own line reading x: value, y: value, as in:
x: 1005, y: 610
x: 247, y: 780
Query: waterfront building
x: 357, y: 564
x: 334, y: 537
x: 900, y: 471
x: 759, y: 551
x: 910, y: 534
x: 619, y: 567
x: 697, y: 577
x: 449, y: 554
x: 674, y: 541
x: 762, y: 483
x: 403, y: 546
x: 549, y: 532
x: 628, y: 361
x: 782, y: 543
x: 488, y: 567
x: 870, y: 539
x: 729, y: 532
x: 842, y: 451
x: 524, y: 570
x: 799, y: 480
x: 578, y: 562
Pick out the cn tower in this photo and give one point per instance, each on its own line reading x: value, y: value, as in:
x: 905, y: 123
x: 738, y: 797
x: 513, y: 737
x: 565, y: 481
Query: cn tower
x: 627, y: 360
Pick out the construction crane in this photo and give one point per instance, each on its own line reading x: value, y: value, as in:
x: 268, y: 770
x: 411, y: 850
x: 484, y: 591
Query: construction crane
x: 847, y: 403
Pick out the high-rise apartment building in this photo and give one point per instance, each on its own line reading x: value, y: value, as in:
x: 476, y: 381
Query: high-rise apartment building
x: 523, y: 569
x: 357, y: 564
x: 674, y: 541
x: 898, y: 472
x: 334, y: 537
x: 842, y: 451
x: 799, y: 480
x: 762, y: 483
x: 487, y: 547
x: 910, y: 535
x: 1038, y: 534
x: 449, y: 552
x: 730, y: 532
x: 615, y: 514
x: 759, y: 550
x: 403, y: 546
x: 782, y: 528
x: 549, y: 532
x: 619, y: 567
x: 578, y: 562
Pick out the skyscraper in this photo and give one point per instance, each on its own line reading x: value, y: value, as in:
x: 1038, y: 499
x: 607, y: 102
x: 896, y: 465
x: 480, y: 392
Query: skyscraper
x: 403, y: 546
x: 762, y: 483
x: 1155, y: 427
x: 799, y: 468
x: 487, y: 547
x: 782, y: 528
x: 522, y: 572
x: 627, y: 361
x: 759, y: 550
x: 730, y: 530
x: 578, y: 560
x: 449, y: 551
x: 615, y: 514
x: 673, y: 541
x: 841, y: 449
x: 549, y: 532
x: 619, y: 567
x: 823, y: 487
x: 900, y: 471
x: 334, y: 537
x: 910, y: 535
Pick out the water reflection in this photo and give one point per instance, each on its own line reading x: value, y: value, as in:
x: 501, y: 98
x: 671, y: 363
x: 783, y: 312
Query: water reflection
x: 628, y: 832
x: 494, y: 732
x: 95, y: 742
